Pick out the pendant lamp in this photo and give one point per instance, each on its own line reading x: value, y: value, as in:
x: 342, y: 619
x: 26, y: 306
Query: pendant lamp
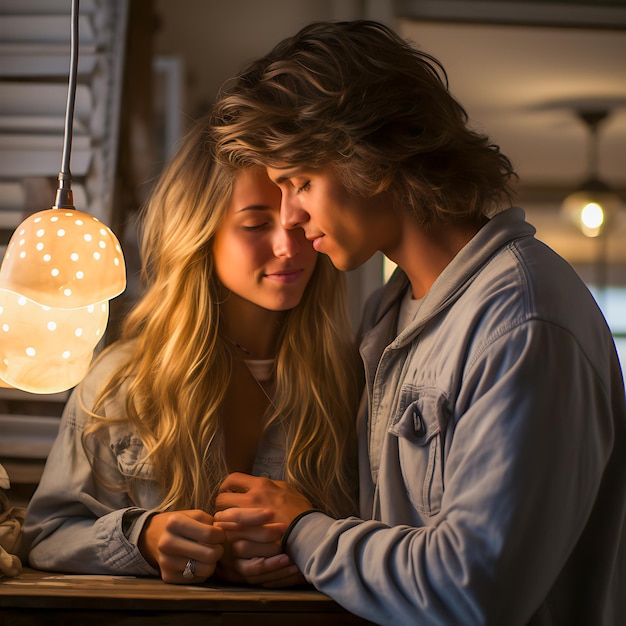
x: 592, y: 206
x: 60, y: 270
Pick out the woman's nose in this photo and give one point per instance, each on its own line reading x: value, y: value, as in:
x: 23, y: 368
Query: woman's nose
x: 287, y: 242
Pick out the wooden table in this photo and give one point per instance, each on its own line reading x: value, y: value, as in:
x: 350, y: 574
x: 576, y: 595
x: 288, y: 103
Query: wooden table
x: 44, y: 598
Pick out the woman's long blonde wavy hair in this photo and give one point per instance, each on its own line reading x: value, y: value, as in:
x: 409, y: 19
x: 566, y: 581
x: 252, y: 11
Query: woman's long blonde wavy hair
x: 180, y: 367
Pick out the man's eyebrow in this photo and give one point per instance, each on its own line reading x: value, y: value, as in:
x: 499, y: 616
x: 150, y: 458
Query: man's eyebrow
x: 287, y: 175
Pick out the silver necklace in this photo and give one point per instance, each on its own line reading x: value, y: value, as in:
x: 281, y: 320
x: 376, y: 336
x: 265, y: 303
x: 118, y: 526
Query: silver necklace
x: 258, y: 382
x: 237, y: 345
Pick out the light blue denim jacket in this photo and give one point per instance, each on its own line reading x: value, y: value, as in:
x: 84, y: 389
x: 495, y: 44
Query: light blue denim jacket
x: 75, y: 523
x: 492, y: 449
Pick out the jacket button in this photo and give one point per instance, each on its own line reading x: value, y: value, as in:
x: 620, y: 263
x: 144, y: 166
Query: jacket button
x: 418, y: 424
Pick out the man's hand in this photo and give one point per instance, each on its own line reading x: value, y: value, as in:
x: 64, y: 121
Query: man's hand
x: 169, y: 540
x: 281, y: 501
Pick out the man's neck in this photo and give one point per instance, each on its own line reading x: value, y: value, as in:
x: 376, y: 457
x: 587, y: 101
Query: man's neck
x: 423, y: 253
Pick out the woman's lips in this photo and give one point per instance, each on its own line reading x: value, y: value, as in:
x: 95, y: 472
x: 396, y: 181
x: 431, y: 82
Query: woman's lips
x: 287, y: 277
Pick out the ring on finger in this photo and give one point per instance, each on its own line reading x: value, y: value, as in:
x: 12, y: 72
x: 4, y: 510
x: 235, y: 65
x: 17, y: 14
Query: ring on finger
x: 190, y: 569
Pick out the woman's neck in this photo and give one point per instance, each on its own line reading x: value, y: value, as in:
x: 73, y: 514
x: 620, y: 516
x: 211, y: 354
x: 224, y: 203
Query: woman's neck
x: 250, y: 328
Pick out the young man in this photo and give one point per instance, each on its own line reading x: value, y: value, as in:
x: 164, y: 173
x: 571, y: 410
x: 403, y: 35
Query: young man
x: 493, y: 431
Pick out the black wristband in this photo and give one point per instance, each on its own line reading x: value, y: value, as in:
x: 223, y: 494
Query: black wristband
x: 294, y: 521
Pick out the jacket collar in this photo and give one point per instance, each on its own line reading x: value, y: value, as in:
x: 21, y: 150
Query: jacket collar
x: 499, y: 231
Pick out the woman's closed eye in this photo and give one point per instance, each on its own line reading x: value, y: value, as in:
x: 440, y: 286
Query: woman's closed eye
x: 254, y: 227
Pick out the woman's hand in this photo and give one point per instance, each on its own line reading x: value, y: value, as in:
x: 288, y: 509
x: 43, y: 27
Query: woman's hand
x: 169, y: 540
x: 252, y: 552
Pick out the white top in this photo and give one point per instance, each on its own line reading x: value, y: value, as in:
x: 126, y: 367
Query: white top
x: 408, y: 310
x: 261, y: 369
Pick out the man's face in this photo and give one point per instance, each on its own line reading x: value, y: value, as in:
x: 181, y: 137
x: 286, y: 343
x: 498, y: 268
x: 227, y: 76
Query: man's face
x: 346, y: 227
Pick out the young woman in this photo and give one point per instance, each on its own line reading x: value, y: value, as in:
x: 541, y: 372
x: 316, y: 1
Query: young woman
x: 238, y: 357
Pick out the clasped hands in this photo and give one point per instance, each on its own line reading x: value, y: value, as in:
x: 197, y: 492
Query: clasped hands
x: 240, y: 543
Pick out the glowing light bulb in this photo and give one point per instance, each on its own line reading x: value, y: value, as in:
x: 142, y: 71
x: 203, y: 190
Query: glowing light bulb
x: 59, y: 272
x: 592, y: 215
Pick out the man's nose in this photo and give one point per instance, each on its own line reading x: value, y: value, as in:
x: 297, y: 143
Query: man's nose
x: 292, y: 215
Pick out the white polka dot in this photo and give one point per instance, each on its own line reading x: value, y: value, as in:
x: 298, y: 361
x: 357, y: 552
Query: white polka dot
x: 74, y: 256
x: 21, y: 300
x: 67, y: 292
x: 103, y: 244
x: 23, y: 254
x: 30, y: 351
x: 80, y: 274
x: 52, y: 325
x: 97, y: 256
x: 54, y: 219
x: 90, y: 308
x: 46, y: 257
x: 116, y: 261
x: 22, y: 242
x: 87, y: 237
x: 21, y: 232
x: 40, y: 233
x: 1, y: 310
x: 78, y: 332
x: 61, y: 232
x: 66, y: 354
x: 37, y: 220
x: 55, y: 272
x: 39, y: 246
x: 5, y: 328
x: 78, y: 222
x: 103, y: 232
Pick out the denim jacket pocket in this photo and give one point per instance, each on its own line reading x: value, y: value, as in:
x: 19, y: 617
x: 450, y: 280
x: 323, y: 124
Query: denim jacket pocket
x: 418, y: 429
x: 129, y: 452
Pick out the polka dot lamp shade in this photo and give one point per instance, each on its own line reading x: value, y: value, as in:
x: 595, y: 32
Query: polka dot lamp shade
x: 60, y: 270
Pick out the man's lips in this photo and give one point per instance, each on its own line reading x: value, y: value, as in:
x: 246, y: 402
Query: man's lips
x: 316, y: 239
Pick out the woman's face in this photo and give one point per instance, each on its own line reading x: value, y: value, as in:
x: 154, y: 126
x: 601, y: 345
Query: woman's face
x: 256, y: 258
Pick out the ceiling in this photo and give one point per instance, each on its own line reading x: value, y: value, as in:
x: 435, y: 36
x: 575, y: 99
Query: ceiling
x: 522, y: 85
x: 520, y: 68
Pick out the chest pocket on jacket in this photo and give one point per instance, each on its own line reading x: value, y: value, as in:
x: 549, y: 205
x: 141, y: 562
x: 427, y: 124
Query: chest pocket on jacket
x: 128, y: 450
x: 418, y: 426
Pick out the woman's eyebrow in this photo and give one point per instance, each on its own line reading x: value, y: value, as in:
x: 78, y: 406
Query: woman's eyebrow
x: 254, y: 207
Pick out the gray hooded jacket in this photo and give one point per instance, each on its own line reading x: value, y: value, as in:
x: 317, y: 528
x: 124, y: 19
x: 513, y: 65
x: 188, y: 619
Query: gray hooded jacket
x: 492, y: 451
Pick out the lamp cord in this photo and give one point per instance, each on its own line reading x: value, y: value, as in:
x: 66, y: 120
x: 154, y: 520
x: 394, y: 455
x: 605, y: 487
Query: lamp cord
x: 593, y: 119
x: 64, y: 196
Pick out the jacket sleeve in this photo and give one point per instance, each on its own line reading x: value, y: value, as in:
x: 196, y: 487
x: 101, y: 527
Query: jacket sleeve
x: 522, y: 472
x: 73, y: 524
